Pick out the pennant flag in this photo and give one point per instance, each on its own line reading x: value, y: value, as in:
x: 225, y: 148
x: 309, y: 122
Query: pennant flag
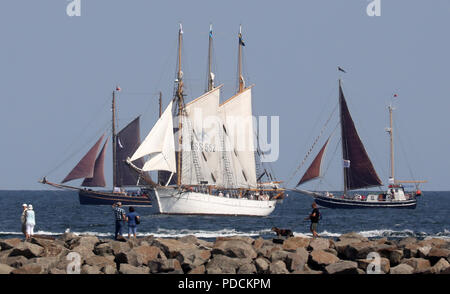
x: 395, y: 95
x: 240, y: 40
x: 346, y: 163
x: 118, y: 88
x: 341, y: 69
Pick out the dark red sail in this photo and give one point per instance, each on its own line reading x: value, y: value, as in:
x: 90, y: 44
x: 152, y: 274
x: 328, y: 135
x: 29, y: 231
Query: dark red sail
x: 98, y: 180
x: 85, y: 168
x: 127, y: 142
x: 358, y: 171
x: 313, y: 171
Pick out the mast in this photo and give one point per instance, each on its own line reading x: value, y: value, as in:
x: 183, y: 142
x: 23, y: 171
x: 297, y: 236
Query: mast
x: 210, y: 73
x: 113, y: 135
x: 160, y: 103
x: 342, y: 135
x: 240, y: 78
x: 390, y: 130
x: 180, y: 104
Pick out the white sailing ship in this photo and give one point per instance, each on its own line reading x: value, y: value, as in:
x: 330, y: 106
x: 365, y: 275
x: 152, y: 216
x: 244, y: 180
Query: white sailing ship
x: 206, y: 164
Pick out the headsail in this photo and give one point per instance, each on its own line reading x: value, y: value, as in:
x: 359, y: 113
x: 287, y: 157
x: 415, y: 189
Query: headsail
x: 314, y: 170
x: 358, y: 171
x: 85, y: 167
x: 98, y: 180
x: 127, y: 142
x: 159, y: 145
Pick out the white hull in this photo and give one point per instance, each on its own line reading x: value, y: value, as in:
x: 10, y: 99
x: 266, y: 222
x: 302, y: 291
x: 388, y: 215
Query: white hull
x: 172, y: 201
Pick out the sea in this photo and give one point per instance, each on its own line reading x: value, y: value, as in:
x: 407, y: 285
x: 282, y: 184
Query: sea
x: 59, y: 211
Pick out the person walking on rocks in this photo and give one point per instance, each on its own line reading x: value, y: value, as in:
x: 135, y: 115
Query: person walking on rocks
x: 119, y: 214
x: 133, y: 220
x: 314, y: 217
x: 23, y: 219
x: 30, y: 222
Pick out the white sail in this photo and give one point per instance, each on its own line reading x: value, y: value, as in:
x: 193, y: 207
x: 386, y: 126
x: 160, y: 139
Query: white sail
x: 237, y: 119
x: 201, y: 128
x: 159, y: 145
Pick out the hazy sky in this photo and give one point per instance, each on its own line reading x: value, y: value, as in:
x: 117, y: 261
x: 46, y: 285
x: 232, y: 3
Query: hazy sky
x: 57, y: 74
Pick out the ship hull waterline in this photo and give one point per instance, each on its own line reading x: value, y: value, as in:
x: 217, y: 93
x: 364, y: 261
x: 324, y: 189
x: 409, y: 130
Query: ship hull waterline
x: 172, y: 201
x: 89, y: 197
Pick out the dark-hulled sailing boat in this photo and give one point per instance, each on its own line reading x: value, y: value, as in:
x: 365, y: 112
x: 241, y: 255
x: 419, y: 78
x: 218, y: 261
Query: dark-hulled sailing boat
x: 358, y: 171
x: 91, y: 168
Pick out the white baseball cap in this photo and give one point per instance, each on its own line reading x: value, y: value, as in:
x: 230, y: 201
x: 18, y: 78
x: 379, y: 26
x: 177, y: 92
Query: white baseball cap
x: 24, y: 205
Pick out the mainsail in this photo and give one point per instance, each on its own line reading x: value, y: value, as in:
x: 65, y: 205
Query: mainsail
x: 159, y: 145
x: 85, y: 167
x: 127, y: 142
x: 314, y: 170
x: 358, y: 170
x: 236, y: 115
x: 98, y: 180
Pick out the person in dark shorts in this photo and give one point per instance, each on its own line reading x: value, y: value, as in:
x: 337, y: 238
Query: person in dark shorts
x: 119, y: 215
x: 133, y: 219
x: 314, y: 217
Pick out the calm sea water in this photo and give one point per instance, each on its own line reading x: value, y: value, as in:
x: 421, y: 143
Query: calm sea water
x: 57, y: 211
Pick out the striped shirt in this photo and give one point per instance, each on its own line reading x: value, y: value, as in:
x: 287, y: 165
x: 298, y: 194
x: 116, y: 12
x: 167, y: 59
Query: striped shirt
x: 119, y: 213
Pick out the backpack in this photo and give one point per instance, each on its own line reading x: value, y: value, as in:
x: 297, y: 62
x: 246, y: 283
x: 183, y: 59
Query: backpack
x: 137, y: 219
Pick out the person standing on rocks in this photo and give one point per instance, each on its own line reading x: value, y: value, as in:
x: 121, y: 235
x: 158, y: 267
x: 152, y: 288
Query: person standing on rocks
x: 314, y: 217
x: 119, y: 214
x: 30, y: 222
x: 23, y: 219
x: 133, y: 219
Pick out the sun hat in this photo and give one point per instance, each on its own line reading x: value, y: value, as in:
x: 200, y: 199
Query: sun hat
x: 24, y: 205
x: 30, y: 207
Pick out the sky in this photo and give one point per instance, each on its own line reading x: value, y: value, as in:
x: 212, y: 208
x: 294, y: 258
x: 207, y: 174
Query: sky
x: 57, y: 74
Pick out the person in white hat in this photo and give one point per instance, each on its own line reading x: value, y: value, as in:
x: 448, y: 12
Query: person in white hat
x: 23, y: 219
x: 31, y: 222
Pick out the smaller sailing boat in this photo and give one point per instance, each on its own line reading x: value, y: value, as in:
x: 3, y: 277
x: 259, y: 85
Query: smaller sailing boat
x: 358, y: 171
x: 91, y: 168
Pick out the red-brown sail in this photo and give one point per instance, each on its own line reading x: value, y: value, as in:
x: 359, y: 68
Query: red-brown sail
x: 358, y: 171
x: 98, y: 180
x: 85, y: 167
x: 313, y: 171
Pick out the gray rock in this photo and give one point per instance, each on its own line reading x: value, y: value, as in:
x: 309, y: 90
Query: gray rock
x: 27, y: 250
x: 100, y: 261
x: 360, y: 250
x: 247, y: 269
x: 441, y: 266
x: 189, y: 239
x: 103, y: 249
x: 234, y: 248
x: 279, y: 255
x: 172, y: 247
x: 16, y: 261
x: 6, y: 244
x: 5, y: 269
x: 402, y: 269
x: 319, y: 244
x: 127, y: 269
x: 278, y: 267
x: 52, y: 248
x: 90, y: 270
x: 436, y: 254
x: 291, y: 244
x: 109, y: 270
x: 262, y: 265
x: 69, y: 238
x: 319, y: 259
x: 192, y: 258
x: 171, y: 265
x: 384, y: 265
x: 297, y: 260
x: 342, y: 267
x: 46, y: 262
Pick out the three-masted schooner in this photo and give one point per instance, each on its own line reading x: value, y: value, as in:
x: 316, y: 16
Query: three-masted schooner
x: 204, y: 152
x: 358, y: 171
x: 91, y: 168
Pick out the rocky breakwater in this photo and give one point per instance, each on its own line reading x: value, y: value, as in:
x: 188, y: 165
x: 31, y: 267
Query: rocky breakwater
x: 349, y: 254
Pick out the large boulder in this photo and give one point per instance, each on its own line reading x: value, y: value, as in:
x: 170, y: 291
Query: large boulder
x: 319, y: 259
x: 16, y: 261
x: 5, y: 269
x: 267, y: 249
x: 193, y: 258
x: 6, y: 244
x: 278, y: 267
x: 354, y: 236
x: 52, y: 248
x: 30, y: 269
x: 234, y: 248
x: 342, y: 267
x: 171, y: 265
x: 292, y: 243
x: 402, y: 269
x: 410, y: 250
x: 172, y: 247
x: 418, y: 264
x: 359, y: 250
x: 199, y: 270
x: 262, y: 265
x: 69, y: 238
x: 46, y: 263
x: 27, y: 250
x: 99, y: 261
x: 297, y: 260
x: 145, y: 254
x: 279, y: 255
x: 440, y: 267
x: 103, y: 249
x: 191, y: 239
x: 394, y: 255
x: 224, y: 264
x: 319, y: 244
x: 407, y: 241
x: 437, y: 254
x: 384, y: 265
x: 127, y: 269
x: 341, y: 246
x: 90, y: 270
x: 247, y: 269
